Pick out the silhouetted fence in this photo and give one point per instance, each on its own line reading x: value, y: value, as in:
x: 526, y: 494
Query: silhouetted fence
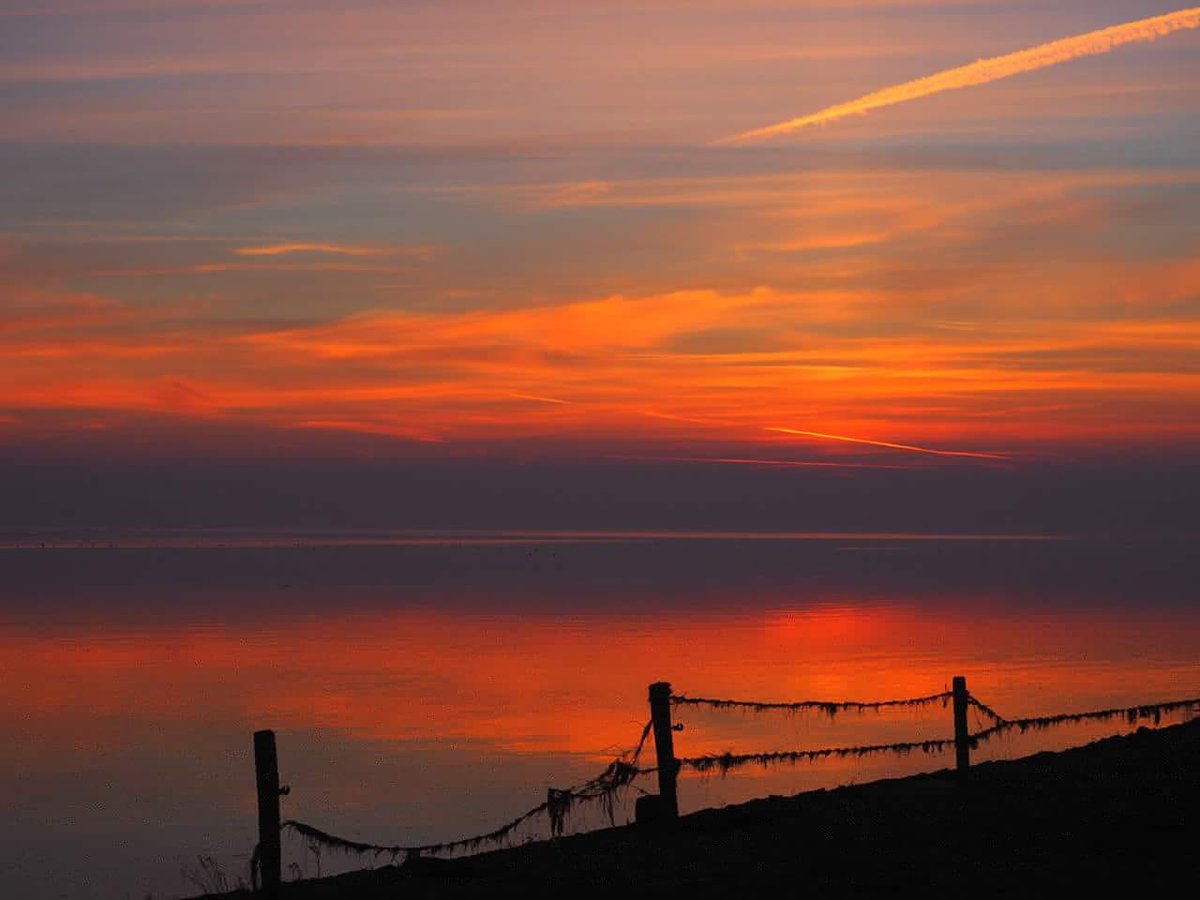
x: 663, y: 807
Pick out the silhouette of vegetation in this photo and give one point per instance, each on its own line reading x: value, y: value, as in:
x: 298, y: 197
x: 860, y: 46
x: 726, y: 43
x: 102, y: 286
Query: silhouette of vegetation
x: 209, y: 877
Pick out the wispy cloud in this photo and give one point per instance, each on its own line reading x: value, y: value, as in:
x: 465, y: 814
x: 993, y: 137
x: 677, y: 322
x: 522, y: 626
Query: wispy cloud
x: 885, y: 444
x: 983, y: 71
x: 292, y: 247
x: 537, y: 399
x: 761, y: 463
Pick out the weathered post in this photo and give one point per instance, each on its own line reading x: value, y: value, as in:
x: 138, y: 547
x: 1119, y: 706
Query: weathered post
x: 266, y: 769
x: 664, y: 746
x: 962, y: 741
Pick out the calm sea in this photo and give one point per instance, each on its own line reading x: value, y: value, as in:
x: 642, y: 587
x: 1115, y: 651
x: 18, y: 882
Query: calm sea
x: 426, y: 687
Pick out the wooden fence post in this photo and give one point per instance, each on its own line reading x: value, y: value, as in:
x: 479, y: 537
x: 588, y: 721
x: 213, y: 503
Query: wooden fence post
x: 664, y: 747
x: 962, y: 741
x: 266, y: 770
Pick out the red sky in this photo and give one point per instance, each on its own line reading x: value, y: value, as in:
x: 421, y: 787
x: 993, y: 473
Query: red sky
x: 448, y: 226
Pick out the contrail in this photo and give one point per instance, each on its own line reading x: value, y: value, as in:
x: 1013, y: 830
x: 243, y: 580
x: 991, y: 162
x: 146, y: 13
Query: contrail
x: 761, y: 463
x: 984, y: 70
x: 539, y: 399
x: 887, y: 444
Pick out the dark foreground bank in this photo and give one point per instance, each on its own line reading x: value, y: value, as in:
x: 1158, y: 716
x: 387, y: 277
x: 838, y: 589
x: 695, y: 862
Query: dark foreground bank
x: 1122, y: 813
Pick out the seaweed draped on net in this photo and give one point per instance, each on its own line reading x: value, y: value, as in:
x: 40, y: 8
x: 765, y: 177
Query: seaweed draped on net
x: 622, y: 771
x: 829, y: 707
x: 603, y: 789
x: 1131, y: 714
x: 724, y: 762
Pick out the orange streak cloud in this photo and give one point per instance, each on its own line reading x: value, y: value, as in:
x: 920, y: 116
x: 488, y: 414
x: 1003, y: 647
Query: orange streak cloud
x: 983, y: 71
x: 286, y: 248
x: 887, y: 444
x: 282, y: 249
x: 766, y: 463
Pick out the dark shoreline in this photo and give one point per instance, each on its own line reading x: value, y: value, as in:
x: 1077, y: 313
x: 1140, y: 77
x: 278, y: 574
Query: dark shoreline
x: 1121, y: 813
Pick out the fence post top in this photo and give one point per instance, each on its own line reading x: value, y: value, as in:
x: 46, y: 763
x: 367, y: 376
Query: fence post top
x: 660, y: 689
x: 960, y: 682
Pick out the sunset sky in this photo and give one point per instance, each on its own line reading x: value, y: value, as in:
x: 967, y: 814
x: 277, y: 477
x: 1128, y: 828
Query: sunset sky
x: 479, y: 229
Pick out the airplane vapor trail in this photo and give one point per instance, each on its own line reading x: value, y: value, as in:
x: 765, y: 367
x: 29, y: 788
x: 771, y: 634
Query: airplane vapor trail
x: 887, y: 444
x: 984, y: 70
x: 762, y: 463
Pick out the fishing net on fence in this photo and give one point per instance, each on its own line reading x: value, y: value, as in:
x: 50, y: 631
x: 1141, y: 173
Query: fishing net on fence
x: 829, y: 708
x: 725, y: 762
x: 603, y: 790
x: 620, y: 774
x: 1132, y: 715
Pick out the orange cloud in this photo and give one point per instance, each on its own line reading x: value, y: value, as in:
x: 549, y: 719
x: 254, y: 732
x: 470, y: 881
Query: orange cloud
x: 948, y: 323
x: 689, y: 365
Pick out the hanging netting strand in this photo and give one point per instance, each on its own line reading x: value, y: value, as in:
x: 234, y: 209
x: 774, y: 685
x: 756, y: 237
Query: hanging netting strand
x: 395, y: 851
x: 986, y: 710
x: 1131, y: 714
x: 723, y: 762
x: 603, y: 789
x: 829, y: 707
x: 636, y: 753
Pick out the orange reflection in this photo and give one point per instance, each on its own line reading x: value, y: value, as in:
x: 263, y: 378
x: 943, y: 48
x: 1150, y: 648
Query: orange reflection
x: 577, y: 685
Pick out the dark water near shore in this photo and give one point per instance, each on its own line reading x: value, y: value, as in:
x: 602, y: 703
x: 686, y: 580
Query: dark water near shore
x: 426, y: 687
